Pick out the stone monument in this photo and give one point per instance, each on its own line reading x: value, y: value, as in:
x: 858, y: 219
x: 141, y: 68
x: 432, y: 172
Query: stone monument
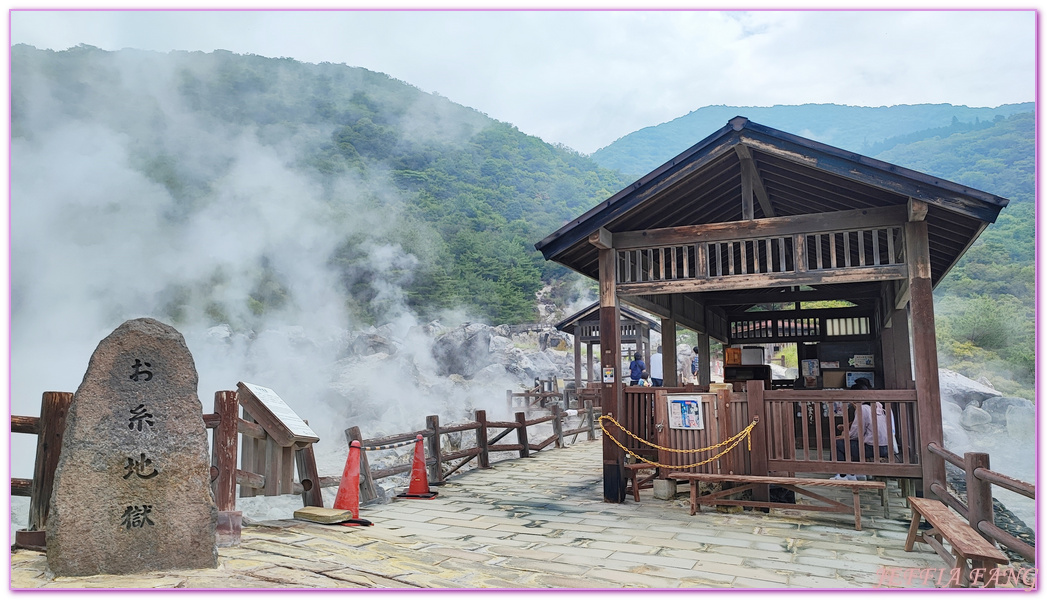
x: 132, y: 489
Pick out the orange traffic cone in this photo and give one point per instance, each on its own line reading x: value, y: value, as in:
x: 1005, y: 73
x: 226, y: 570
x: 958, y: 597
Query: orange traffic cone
x: 348, y: 497
x: 419, y: 487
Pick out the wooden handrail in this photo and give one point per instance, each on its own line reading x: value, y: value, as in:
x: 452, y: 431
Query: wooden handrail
x: 481, y: 452
x: 978, y: 510
x: 1009, y: 483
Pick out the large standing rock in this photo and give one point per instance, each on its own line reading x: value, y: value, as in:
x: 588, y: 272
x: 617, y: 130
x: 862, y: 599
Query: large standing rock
x: 132, y: 488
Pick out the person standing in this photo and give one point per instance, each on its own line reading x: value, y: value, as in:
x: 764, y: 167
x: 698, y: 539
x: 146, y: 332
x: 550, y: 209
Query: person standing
x: 695, y: 365
x: 656, y: 368
x: 636, y: 367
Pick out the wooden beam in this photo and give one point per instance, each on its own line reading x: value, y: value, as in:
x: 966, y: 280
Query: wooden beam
x: 944, y: 194
x: 855, y: 292
x: 917, y: 210
x: 602, y: 239
x: 760, y: 228
x: 749, y: 170
x: 644, y: 304
x: 764, y: 280
x: 748, y: 213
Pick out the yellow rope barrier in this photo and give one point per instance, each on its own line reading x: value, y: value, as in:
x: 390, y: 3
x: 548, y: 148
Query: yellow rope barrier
x: 730, y: 442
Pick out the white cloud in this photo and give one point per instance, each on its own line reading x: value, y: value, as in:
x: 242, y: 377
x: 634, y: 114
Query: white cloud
x: 585, y: 78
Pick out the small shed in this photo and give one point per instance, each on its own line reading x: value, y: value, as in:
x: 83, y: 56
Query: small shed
x: 752, y: 216
x: 584, y: 326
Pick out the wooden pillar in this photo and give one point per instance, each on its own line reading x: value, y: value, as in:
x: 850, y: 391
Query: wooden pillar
x: 758, y: 455
x: 54, y: 406
x: 902, y: 354
x: 368, y: 491
x: 558, y: 425
x: 894, y: 346
x: 979, y: 493
x: 577, y: 356
x: 224, y: 438
x: 588, y: 362
x: 704, y: 360
x: 612, y: 398
x: 925, y: 352
x: 669, y: 366
x: 436, y: 470
x: 305, y: 460
x: 890, y: 372
x: 521, y: 435
x: 248, y: 446
x: 484, y: 458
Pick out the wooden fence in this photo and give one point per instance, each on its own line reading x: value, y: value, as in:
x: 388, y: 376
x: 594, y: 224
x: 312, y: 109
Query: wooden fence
x: 798, y: 433
x: 440, y: 464
x: 978, y: 509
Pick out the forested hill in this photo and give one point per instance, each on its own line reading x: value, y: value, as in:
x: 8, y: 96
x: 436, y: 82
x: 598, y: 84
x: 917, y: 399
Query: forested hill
x: 866, y: 130
x: 415, y: 201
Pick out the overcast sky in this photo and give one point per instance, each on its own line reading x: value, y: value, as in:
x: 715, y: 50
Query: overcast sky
x: 586, y: 78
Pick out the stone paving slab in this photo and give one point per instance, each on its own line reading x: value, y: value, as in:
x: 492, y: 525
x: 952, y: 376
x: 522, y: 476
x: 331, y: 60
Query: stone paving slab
x: 541, y: 522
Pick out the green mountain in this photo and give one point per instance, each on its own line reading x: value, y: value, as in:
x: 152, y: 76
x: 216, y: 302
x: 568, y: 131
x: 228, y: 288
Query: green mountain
x: 858, y: 128
x: 419, y: 202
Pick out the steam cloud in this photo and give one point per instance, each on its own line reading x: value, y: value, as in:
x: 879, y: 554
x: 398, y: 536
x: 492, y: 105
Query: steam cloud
x: 95, y: 241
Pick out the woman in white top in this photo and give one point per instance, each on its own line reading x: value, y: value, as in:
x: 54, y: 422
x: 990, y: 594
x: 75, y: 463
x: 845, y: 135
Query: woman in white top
x: 862, y: 428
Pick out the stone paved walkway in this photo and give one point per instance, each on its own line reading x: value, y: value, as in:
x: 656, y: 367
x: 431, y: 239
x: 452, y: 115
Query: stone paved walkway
x: 541, y: 523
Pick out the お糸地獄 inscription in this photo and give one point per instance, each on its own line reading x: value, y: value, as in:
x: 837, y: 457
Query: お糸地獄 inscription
x: 132, y: 488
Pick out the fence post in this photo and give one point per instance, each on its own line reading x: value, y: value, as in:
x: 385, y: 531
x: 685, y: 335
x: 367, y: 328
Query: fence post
x: 53, y: 409
x: 436, y: 471
x: 521, y: 435
x: 305, y: 460
x: 592, y: 419
x: 509, y: 400
x: 367, y: 489
x: 758, y: 457
x: 979, y: 493
x: 484, y: 458
x: 725, y: 431
x: 557, y: 425
x: 224, y: 439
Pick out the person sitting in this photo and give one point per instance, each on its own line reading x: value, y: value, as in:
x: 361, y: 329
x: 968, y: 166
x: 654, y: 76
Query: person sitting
x: 863, y: 429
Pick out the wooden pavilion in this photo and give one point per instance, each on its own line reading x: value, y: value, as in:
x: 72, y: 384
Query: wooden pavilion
x: 584, y: 326
x: 752, y: 216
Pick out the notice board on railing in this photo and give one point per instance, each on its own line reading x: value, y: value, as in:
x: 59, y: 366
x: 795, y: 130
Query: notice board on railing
x: 277, y: 418
x: 685, y: 410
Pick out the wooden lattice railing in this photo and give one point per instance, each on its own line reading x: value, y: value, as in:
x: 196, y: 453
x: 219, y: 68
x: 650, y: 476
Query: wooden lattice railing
x: 860, y: 247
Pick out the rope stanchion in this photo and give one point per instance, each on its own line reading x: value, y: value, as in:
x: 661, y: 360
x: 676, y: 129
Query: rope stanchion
x: 730, y: 443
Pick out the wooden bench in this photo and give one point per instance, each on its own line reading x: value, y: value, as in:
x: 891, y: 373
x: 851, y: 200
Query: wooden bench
x: 966, y: 543
x: 748, y: 482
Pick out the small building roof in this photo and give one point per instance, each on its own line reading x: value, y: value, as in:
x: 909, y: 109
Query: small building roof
x: 592, y: 313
